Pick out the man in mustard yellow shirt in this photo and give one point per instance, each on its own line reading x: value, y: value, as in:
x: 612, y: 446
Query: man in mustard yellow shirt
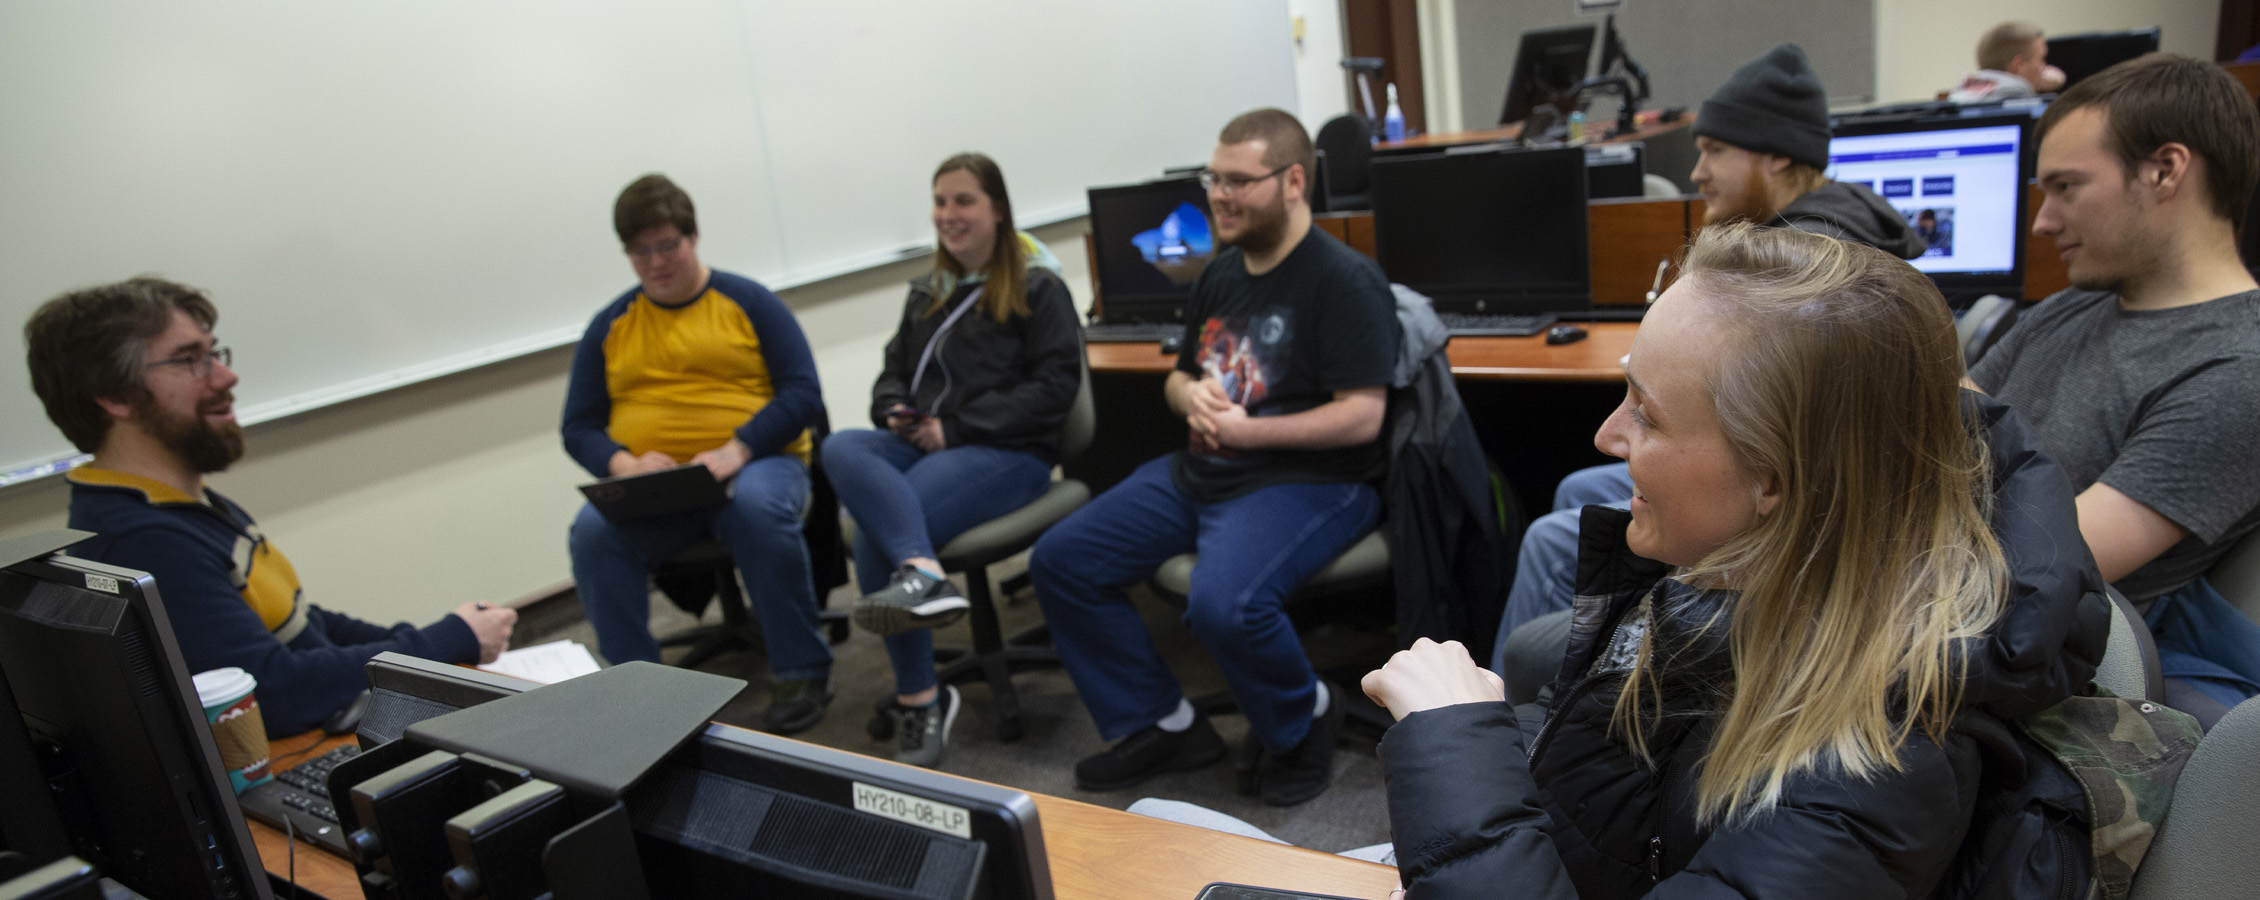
x: 698, y: 366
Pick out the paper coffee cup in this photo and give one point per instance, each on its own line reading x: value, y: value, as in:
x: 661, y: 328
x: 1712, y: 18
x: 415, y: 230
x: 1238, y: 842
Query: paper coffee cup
x: 232, y: 710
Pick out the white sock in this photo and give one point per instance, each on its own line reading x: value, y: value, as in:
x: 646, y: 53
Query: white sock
x: 1318, y: 707
x: 1178, y: 720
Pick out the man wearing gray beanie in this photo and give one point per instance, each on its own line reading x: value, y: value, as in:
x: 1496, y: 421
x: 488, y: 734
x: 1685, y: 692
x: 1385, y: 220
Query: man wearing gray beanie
x: 1763, y: 139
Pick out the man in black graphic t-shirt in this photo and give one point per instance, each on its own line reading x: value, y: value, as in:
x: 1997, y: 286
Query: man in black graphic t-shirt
x: 1282, y: 380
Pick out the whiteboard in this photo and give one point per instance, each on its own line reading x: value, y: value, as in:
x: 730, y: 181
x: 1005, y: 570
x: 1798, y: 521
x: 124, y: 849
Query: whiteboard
x: 377, y: 193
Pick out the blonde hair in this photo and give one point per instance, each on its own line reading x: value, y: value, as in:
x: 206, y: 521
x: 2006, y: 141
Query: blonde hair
x: 1007, y: 292
x: 1839, y: 385
x: 2003, y: 43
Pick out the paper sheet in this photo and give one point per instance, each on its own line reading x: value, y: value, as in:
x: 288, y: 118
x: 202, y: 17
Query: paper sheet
x: 545, y: 663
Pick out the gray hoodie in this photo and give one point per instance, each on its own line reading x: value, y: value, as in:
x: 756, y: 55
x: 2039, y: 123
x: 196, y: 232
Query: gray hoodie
x: 1852, y: 213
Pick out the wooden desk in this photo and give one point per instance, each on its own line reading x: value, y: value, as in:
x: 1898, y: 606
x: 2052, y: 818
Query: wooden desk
x: 1095, y: 853
x: 1593, y: 360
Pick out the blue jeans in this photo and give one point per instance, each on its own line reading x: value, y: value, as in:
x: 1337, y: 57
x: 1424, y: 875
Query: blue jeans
x: 906, y: 502
x: 2205, y: 643
x: 1546, y: 566
x: 761, y: 527
x: 1254, y: 549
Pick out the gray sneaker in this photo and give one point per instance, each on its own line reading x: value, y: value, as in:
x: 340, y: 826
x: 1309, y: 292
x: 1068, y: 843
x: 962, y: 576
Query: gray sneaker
x: 922, y: 731
x: 913, y: 599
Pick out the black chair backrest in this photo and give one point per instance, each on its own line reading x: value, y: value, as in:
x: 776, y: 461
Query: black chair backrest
x: 2251, y: 240
x: 1347, y: 140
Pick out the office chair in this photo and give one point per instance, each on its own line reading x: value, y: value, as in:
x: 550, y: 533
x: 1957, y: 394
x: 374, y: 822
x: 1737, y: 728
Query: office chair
x: 1349, y: 161
x: 993, y: 657
x: 1657, y: 187
x: 2130, y: 666
x: 1532, y: 656
x: 1983, y: 324
x: 2203, y: 850
x: 2237, y: 576
x: 1361, y: 569
x: 704, y: 571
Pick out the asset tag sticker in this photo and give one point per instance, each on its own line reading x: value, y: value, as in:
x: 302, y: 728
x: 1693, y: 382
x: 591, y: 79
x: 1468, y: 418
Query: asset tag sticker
x: 919, y: 811
x: 103, y: 583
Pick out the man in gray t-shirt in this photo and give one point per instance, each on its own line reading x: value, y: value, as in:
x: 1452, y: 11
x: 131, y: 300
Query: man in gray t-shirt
x: 2143, y: 381
x: 2160, y: 405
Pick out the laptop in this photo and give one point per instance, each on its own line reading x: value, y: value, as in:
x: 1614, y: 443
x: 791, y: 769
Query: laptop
x: 1152, y: 241
x: 685, y: 487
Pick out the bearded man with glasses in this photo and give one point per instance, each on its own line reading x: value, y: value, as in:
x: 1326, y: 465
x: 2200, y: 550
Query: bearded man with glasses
x: 1289, y: 345
x: 131, y: 374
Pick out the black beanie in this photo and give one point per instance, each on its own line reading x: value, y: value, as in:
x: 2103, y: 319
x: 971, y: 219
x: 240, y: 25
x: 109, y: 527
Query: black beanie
x: 1773, y: 104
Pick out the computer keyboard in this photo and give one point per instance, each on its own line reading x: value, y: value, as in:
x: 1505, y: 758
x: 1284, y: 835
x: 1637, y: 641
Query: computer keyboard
x: 299, y: 800
x: 1129, y: 332
x: 1485, y: 325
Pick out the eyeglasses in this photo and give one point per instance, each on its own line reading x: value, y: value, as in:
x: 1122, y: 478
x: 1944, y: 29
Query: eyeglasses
x: 661, y: 248
x: 199, y: 364
x: 1229, y: 184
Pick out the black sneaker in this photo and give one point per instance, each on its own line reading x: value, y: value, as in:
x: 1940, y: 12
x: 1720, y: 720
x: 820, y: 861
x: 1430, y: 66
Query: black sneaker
x: 797, y: 705
x: 1247, y: 761
x: 1149, y: 752
x: 1297, y: 775
x: 924, y: 730
x: 912, y: 599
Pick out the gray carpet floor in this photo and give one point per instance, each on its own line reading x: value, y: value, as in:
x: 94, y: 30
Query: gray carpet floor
x: 1352, y: 813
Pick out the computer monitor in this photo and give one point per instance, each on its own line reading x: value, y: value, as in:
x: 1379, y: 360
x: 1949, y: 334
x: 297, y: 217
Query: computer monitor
x: 1549, y: 63
x: 1492, y: 231
x: 737, y: 813
x: 2081, y: 55
x: 1958, y: 179
x: 733, y: 814
x: 102, y: 694
x: 1153, y: 240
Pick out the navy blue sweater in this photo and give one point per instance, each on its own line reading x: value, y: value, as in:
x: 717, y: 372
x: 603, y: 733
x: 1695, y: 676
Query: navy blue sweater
x: 235, y: 601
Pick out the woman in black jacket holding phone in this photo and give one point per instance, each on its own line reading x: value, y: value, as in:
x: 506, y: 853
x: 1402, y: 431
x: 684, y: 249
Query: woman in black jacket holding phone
x: 977, y: 381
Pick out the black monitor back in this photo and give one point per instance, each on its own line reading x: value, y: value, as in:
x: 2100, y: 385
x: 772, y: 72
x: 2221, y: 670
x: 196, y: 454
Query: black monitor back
x: 1548, y: 63
x: 105, y: 698
x: 2081, y: 55
x: 1494, y: 231
x: 1152, y: 240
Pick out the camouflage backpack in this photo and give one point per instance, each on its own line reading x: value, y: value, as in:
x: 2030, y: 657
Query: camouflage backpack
x: 2126, y: 755
x: 2069, y: 798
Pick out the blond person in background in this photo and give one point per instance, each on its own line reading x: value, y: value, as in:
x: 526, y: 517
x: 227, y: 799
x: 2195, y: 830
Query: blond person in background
x: 2012, y: 61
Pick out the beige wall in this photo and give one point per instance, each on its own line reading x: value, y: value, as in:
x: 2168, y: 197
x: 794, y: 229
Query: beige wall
x: 1925, y: 46
x: 408, y: 503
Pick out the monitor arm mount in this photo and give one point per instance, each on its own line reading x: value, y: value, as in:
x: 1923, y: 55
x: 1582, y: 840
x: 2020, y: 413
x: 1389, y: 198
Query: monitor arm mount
x: 1622, y: 74
x: 1623, y: 86
x: 1367, y: 68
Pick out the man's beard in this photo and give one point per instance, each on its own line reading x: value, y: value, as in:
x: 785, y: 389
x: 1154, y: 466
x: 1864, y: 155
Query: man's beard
x: 1266, y: 228
x: 205, y: 447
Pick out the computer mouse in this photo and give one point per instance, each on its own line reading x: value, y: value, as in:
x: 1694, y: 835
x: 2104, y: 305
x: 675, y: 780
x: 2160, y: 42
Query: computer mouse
x: 1564, y: 334
x: 1170, y: 345
x: 347, y: 719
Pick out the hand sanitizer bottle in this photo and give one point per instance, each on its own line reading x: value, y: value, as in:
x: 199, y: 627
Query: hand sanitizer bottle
x: 1393, y: 122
